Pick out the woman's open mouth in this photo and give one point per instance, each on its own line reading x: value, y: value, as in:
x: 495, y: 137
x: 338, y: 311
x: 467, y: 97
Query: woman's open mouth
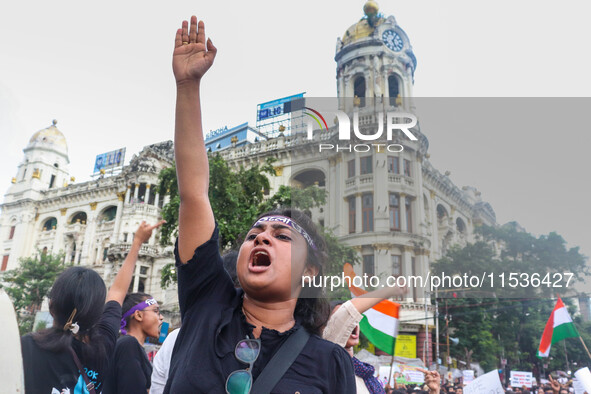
x: 259, y: 261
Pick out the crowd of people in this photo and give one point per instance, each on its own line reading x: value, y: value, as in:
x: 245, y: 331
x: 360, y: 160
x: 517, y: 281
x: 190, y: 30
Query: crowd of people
x: 248, y: 325
x: 553, y: 386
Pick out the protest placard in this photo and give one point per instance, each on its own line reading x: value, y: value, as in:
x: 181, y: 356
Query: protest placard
x: 467, y: 376
x: 521, y: 378
x: 488, y: 383
x: 584, y: 377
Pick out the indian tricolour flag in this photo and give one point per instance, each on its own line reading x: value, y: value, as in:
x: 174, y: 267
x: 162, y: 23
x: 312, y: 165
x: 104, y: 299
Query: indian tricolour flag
x: 559, y: 326
x: 380, y: 323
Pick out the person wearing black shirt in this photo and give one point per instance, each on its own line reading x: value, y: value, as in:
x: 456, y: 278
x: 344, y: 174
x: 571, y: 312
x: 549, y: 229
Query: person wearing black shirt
x: 82, y: 322
x: 131, y: 371
x: 280, y: 250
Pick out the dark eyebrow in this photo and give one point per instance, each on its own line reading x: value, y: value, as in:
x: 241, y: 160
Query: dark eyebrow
x: 276, y: 226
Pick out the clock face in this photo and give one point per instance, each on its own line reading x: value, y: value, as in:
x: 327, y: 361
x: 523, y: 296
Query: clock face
x: 392, y: 40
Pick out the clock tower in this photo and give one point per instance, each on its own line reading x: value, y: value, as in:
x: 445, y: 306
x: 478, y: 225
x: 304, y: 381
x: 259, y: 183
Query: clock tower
x: 375, y: 61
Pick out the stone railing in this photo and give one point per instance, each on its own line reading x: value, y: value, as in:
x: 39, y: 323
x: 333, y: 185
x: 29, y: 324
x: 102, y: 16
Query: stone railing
x: 121, y: 249
x: 144, y: 209
x: 75, y: 228
x: 105, y: 226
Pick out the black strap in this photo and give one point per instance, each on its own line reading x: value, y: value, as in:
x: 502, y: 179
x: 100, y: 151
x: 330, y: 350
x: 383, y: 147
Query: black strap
x: 89, y: 384
x: 281, y: 361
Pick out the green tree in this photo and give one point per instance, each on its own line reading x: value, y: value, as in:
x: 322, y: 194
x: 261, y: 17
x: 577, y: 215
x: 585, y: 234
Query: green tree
x: 235, y: 197
x: 495, y: 321
x: 30, y: 283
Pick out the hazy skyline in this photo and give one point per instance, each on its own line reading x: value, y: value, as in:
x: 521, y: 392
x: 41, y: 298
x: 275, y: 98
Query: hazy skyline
x: 103, y: 71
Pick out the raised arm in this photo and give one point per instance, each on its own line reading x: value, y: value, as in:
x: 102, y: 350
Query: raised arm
x: 122, y: 281
x: 191, y: 59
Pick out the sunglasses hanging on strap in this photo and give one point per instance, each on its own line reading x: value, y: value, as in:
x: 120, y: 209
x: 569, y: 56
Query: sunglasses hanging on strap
x: 89, y: 384
x: 247, y: 351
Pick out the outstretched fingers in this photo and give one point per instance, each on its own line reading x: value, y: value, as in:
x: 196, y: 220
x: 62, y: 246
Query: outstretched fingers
x: 185, y: 32
x: 200, y: 38
x: 160, y: 223
x: 193, y: 30
x: 178, y: 39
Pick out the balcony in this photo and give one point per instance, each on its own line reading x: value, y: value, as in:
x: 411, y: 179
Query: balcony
x: 75, y: 228
x: 47, y: 235
x: 122, y: 249
x: 365, y: 181
x: 141, y: 209
x: 401, y: 179
x: 105, y: 226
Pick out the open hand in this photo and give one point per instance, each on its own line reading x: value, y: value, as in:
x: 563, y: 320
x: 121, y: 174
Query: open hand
x: 192, y: 55
x: 144, y: 231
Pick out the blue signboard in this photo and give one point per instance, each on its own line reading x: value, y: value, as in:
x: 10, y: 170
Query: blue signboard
x: 274, y: 108
x: 163, y: 332
x: 109, y: 160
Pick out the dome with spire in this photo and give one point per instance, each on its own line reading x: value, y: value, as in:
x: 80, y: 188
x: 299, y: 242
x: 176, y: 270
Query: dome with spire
x: 51, y: 138
x: 366, y: 25
x: 377, y: 35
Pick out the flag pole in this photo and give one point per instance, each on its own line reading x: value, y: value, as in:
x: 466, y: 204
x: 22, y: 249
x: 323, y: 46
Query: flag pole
x: 585, y: 346
x: 391, y: 367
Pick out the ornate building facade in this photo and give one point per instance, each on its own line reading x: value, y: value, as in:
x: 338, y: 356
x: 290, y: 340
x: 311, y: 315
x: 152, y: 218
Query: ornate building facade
x: 92, y: 222
x: 397, y: 210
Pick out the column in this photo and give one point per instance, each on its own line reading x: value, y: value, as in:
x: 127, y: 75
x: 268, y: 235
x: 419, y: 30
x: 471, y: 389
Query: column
x: 402, y: 207
x: 147, y: 195
x: 128, y: 194
x: 331, y: 212
x: 117, y: 228
x: 434, y: 225
x: 136, y: 192
x: 358, y: 213
x: 156, y: 198
x: 136, y: 279
x: 88, y: 235
x: 422, y: 261
x: 407, y: 269
x: 58, y: 241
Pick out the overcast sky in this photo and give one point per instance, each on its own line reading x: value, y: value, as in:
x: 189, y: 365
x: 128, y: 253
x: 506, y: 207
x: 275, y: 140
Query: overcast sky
x: 103, y: 71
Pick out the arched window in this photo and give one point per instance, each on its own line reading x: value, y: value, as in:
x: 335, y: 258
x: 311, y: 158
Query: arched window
x: 441, y: 212
x: 394, y: 88
x: 109, y: 214
x: 50, y: 224
x: 460, y: 225
x: 79, y: 217
x: 309, y: 178
x: 359, y: 90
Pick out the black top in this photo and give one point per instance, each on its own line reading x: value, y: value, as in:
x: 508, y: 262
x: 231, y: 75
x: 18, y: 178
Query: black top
x: 130, y: 370
x: 46, y: 370
x: 213, y: 323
